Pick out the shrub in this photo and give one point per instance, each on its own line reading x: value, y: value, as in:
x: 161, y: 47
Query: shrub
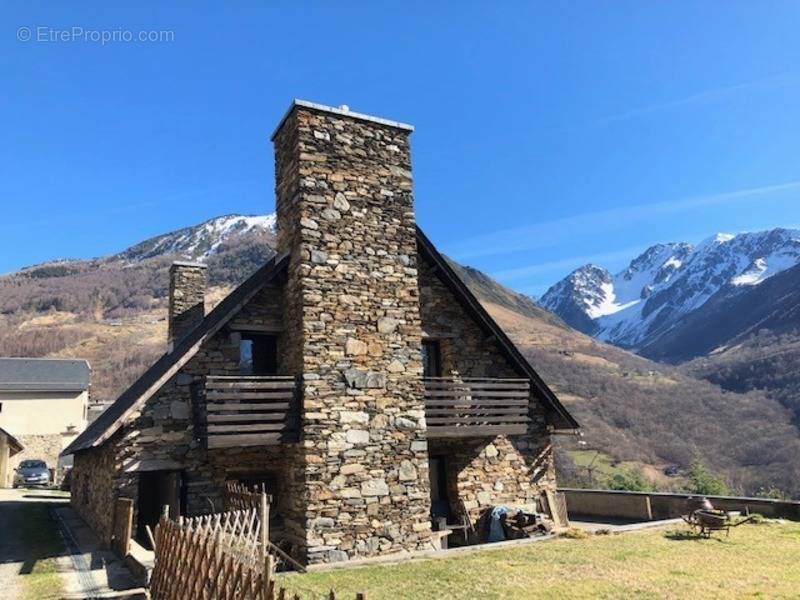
x: 702, y: 481
x: 630, y: 482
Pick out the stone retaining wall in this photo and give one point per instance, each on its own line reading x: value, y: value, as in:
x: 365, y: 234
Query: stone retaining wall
x: 634, y: 505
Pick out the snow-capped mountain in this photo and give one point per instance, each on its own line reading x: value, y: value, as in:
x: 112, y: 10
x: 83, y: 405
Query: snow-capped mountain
x: 201, y: 241
x: 581, y: 297
x: 667, y: 282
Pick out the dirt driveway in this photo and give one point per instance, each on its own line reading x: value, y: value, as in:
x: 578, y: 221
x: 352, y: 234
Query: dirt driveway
x: 47, y: 552
x: 29, y: 544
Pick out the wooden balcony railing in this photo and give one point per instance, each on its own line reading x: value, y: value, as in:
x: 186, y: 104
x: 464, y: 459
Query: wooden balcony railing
x: 248, y: 411
x: 476, y: 407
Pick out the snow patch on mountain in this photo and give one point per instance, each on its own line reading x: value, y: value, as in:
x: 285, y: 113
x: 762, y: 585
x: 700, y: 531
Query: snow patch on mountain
x: 668, y: 281
x: 763, y: 268
x: 201, y: 241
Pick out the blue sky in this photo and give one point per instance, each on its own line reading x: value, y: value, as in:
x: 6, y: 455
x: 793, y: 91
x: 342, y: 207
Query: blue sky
x: 549, y: 134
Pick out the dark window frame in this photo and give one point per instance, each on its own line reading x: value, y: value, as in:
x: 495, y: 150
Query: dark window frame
x: 263, y: 361
x: 431, y: 358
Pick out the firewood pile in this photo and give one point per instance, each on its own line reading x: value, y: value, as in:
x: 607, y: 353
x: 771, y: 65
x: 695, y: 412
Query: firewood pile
x: 520, y: 524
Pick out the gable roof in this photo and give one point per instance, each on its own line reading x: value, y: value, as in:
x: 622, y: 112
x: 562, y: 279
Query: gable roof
x: 561, y: 418
x: 14, y: 445
x: 44, y: 375
x: 165, y: 367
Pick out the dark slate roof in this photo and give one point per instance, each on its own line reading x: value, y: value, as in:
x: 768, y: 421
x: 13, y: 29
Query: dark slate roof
x: 44, y: 375
x: 157, y: 375
x: 160, y: 372
x: 13, y: 443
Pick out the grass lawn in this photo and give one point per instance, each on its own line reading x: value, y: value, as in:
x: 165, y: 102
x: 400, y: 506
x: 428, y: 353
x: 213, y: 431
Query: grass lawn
x: 758, y: 561
x: 603, y: 465
x: 41, y: 544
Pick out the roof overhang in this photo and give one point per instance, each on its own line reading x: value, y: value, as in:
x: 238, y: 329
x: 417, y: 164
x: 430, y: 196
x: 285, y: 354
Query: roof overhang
x: 14, y: 445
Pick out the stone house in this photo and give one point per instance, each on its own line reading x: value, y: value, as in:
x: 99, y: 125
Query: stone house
x: 354, y: 375
x: 43, y: 404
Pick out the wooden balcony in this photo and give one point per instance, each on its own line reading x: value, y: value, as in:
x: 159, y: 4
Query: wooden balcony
x: 242, y: 411
x: 476, y: 407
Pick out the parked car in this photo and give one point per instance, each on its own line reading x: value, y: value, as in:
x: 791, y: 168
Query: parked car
x: 31, y: 473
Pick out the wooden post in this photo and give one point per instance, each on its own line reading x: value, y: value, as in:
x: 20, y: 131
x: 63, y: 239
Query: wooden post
x: 264, y: 516
x: 266, y: 557
x: 123, y: 526
x: 150, y: 536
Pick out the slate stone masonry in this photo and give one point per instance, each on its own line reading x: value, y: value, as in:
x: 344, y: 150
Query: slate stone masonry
x: 350, y: 317
x: 187, y: 288
x: 345, y: 213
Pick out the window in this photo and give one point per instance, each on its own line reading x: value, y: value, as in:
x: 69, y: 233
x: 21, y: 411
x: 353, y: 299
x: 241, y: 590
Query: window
x: 32, y: 464
x: 431, y: 359
x: 258, y: 354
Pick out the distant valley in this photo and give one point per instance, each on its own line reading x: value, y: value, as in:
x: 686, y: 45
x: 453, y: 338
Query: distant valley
x: 727, y: 310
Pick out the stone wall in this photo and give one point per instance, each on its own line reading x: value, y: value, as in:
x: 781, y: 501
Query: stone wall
x: 350, y: 325
x: 482, y: 472
x: 161, y: 436
x: 345, y: 212
x: 466, y: 349
x: 94, y: 487
x: 44, y: 447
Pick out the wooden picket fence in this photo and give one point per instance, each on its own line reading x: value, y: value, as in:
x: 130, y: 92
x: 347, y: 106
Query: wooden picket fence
x: 223, y: 556
x: 211, y: 557
x: 239, y: 497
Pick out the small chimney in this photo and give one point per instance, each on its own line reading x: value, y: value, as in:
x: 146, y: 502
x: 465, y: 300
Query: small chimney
x: 187, y: 296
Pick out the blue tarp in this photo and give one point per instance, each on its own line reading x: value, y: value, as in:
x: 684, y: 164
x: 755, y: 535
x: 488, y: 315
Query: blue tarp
x: 496, y: 533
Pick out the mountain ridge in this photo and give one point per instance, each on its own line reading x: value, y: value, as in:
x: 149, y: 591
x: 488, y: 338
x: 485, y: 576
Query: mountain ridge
x: 649, y: 299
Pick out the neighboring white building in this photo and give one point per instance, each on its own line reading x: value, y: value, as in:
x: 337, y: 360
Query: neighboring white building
x: 43, y: 404
x: 9, y: 447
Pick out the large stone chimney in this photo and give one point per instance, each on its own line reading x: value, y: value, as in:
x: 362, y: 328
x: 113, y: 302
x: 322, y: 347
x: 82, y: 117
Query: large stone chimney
x: 346, y: 216
x: 187, y: 294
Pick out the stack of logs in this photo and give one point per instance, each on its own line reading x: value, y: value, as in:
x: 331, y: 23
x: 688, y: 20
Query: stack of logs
x: 519, y: 525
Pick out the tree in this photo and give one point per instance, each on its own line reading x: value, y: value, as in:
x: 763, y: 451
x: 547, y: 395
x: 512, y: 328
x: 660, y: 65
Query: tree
x: 703, y: 481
